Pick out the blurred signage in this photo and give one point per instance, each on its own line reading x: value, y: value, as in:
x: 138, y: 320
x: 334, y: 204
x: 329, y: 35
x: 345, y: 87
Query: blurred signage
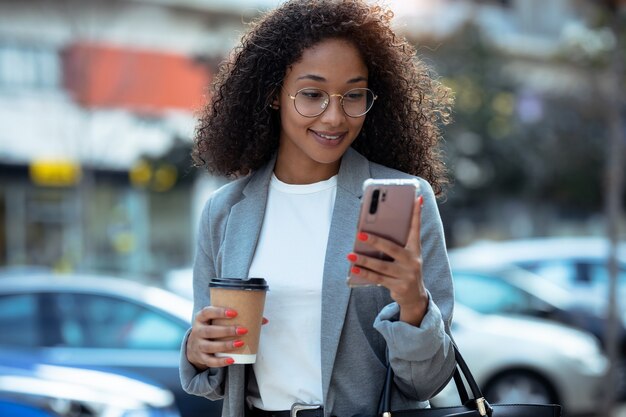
x: 109, y: 76
x: 159, y: 177
x: 54, y: 173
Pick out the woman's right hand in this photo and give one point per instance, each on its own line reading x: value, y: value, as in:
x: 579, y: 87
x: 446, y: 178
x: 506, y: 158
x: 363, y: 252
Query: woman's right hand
x: 207, y: 339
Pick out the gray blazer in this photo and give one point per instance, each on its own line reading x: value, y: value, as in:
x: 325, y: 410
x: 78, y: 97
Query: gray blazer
x: 358, y: 325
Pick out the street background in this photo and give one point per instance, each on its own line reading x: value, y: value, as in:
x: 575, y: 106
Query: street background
x: 99, y: 101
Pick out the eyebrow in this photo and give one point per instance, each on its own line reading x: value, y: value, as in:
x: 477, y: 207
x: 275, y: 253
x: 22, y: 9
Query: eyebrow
x: 314, y: 77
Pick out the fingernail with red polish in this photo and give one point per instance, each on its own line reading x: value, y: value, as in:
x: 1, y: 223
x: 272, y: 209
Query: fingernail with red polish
x: 362, y: 236
x: 241, y: 331
x: 238, y: 343
x: 356, y: 270
x: 351, y: 257
x: 231, y: 313
x: 421, y: 200
x: 264, y: 321
x: 230, y: 361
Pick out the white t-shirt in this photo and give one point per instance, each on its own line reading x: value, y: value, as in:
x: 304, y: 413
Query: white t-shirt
x: 290, y: 255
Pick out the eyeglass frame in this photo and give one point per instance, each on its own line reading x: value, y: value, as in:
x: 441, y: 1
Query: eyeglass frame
x: 341, y: 97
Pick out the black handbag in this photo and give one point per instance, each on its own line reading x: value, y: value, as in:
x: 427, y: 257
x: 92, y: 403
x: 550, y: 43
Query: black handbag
x: 477, y: 406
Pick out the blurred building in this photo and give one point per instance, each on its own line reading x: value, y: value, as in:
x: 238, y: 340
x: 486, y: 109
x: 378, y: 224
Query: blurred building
x: 97, y: 102
x: 540, y: 39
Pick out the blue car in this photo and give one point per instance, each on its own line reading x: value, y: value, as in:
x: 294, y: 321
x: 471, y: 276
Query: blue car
x: 95, y: 322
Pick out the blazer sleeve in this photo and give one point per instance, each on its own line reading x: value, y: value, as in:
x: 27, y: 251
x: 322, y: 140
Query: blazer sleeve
x: 209, y: 383
x: 422, y: 357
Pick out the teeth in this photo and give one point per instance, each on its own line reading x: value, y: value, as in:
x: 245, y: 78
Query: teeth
x: 329, y: 137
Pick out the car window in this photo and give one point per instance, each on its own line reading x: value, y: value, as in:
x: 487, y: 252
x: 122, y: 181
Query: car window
x: 489, y: 295
x: 561, y: 272
x: 568, y: 272
x: 18, y: 320
x: 94, y: 321
x: 599, y: 274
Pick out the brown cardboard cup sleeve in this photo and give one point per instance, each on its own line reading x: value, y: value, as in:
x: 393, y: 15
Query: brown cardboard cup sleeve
x: 247, y: 297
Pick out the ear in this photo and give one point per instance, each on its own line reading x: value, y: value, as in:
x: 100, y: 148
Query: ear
x: 274, y: 96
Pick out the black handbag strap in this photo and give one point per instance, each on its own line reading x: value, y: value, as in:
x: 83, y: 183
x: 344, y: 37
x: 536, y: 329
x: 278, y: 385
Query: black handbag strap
x: 461, y: 371
x: 460, y: 386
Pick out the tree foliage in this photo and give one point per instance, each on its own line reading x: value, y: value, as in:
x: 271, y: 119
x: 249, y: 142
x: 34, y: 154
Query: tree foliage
x: 512, y: 139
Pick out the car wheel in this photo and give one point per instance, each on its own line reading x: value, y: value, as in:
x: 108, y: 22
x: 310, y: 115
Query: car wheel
x: 518, y: 387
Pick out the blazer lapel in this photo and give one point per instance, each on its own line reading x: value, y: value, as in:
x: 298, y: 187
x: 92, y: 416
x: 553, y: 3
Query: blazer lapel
x: 335, y: 293
x: 244, y: 224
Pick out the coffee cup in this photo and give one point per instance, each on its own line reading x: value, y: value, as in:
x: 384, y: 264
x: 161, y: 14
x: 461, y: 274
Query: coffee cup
x: 247, y: 297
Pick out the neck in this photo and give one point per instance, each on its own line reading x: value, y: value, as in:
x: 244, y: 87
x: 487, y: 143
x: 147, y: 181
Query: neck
x: 305, y: 174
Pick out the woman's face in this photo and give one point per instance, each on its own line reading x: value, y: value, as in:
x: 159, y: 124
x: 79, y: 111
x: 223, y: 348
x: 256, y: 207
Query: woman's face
x: 310, y: 148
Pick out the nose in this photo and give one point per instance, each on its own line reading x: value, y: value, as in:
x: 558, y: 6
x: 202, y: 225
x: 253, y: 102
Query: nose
x: 334, y: 114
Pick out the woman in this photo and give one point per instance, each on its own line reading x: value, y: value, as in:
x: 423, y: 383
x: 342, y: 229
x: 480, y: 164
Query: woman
x: 320, y: 96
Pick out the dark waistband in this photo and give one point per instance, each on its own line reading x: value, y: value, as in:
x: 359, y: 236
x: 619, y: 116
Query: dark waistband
x: 316, y: 412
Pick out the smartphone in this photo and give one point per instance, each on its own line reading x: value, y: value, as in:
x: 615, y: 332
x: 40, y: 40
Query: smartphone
x: 386, y: 211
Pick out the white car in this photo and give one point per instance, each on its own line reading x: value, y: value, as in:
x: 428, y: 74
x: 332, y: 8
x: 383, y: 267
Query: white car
x: 578, y: 264
x: 518, y: 360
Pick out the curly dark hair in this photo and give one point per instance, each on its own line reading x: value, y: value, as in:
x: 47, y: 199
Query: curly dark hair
x: 238, y: 132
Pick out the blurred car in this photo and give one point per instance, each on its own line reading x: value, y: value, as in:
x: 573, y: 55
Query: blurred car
x: 507, y: 289
x: 22, y: 409
x: 31, y: 389
x: 575, y: 263
x: 100, y: 323
x: 517, y: 360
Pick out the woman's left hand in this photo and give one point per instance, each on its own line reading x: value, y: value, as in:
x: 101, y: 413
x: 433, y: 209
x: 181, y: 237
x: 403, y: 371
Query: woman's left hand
x: 403, y: 274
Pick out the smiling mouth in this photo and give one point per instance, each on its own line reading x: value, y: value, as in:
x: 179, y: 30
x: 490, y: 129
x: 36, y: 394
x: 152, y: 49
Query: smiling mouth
x: 329, y: 136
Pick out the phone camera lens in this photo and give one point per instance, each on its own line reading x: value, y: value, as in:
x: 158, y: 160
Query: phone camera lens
x: 374, y: 202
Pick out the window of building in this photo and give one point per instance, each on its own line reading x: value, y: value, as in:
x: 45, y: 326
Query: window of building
x: 29, y: 67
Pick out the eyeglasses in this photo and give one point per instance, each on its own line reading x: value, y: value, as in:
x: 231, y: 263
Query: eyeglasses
x: 311, y: 102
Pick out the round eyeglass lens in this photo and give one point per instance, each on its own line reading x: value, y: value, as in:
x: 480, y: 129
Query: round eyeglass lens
x: 358, y: 101
x: 311, y: 102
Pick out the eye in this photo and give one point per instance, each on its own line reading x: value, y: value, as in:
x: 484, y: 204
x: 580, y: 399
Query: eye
x: 354, y: 95
x: 312, y: 94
